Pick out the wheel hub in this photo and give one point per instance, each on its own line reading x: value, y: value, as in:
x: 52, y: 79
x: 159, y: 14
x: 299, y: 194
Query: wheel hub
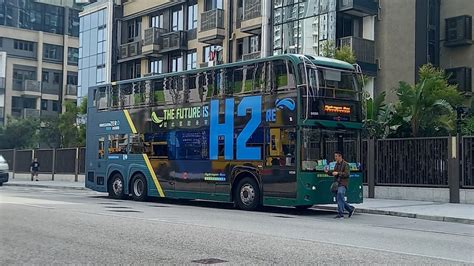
x: 247, y: 194
x: 117, y: 186
x: 138, y: 187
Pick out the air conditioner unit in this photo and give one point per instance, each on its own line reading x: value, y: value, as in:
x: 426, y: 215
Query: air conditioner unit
x: 458, y: 31
x: 462, y: 77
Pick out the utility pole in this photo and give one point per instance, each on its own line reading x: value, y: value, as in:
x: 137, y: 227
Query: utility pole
x: 266, y: 28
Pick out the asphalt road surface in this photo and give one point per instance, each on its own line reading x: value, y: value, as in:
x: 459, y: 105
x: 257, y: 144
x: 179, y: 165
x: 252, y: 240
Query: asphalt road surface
x: 45, y: 226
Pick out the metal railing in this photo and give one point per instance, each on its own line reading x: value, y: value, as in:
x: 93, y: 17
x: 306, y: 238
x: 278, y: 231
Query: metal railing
x: 364, y: 50
x: 153, y: 36
x: 252, y: 9
x: 212, y: 19
x: 172, y: 41
x: 413, y: 161
x: 130, y: 49
x: 30, y: 113
x: 71, y: 90
x: 250, y: 56
x: 27, y: 85
x: 468, y: 162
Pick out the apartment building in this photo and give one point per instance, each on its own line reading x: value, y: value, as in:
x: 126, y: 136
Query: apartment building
x: 38, y: 57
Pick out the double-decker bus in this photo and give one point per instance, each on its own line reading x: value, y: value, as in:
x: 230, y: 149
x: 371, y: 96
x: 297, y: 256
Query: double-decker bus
x: 257, y: 132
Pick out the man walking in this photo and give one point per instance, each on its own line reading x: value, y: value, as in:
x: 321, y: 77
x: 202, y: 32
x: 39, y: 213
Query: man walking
x: 34, y: 167
x: 341, y: 176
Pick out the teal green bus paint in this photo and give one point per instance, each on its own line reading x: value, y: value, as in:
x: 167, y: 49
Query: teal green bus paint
x: 258, y: 131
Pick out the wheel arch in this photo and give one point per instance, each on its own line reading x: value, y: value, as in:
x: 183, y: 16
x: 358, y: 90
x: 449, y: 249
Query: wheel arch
x: 238, y: 176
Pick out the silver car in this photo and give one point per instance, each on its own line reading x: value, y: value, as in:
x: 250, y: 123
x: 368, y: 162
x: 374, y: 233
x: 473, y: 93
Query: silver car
x: 3, y: 170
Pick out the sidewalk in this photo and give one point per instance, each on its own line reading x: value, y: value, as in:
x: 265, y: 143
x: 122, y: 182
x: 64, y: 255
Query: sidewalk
x: 46, y: 184
x: 435, y: 211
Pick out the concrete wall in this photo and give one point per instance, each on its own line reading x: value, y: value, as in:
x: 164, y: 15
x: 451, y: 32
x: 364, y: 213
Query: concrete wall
x: 395, y: 44
x: 462, y: 56
x: 420, y: 193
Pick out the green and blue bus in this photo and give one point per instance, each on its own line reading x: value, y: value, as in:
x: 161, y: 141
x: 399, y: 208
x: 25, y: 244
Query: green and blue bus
x: 257, y: 132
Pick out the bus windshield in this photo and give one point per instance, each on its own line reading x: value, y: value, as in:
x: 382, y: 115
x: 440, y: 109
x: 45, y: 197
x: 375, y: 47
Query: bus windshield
x: 333, y: 83
x: 319, y: 145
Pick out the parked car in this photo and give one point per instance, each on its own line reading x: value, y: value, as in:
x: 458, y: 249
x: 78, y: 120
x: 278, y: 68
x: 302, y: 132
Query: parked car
x: 3, y: 170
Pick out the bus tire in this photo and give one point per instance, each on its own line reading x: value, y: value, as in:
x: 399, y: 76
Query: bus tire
x: 139, y: 188
x: 247, y: 194
x: 116, y: 187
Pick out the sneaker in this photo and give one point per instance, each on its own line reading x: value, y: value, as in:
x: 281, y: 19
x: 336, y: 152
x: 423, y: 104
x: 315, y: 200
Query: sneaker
x: 36, y: 179
x: 339, y: 217
x: 352, y: 212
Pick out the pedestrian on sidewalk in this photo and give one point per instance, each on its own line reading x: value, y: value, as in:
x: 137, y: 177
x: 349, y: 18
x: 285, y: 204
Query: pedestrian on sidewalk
x: 34, y: 168
x: 341, y: 175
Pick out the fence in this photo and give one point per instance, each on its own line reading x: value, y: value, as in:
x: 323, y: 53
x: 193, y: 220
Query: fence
x: 52, y: 161
x: 421, y: 162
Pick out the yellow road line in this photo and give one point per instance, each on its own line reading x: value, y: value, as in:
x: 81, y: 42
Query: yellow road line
x: 130, y: 122
x: 153, y: 175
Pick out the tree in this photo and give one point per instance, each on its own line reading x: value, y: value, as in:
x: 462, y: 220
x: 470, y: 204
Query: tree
x: 49, y: 133
x: 19, y: 134
x: 345, y: 53
x: 426, y: 108
x: 379, y: 117
x: 67, y: 126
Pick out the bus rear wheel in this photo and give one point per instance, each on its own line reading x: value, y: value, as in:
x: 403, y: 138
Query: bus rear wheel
x: 303, y: 207
x: 247, y: 194
x: 116, y: 187
x: 139, y: 188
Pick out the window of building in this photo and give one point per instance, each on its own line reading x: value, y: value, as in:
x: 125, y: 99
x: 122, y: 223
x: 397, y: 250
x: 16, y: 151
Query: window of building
x: 44, y: 105
x: 52, y: 52
x: 72, y: 78
x: 57, y: 78
x: 192, y: 16
x: 156, y: 21
x: 213, y: 4
x: 72, y: 56
x: 55, y: 105
x: 176, y: 63
x: 211, y: 53
x: 177, y: 20
x: 134, y: 27
x: 156, y: 66
x: 100, y: 74
x: 254, y: 45
x: 73, y: 23
x: 45, y: 76
x: 23, y: 45
x: 20, y: 74
x: 191, y: 60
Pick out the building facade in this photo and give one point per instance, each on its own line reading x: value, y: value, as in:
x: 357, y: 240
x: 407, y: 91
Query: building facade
x: 39, y: 46
x: 390, y: 39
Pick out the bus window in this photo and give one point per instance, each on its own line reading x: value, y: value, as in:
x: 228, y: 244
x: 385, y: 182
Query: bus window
x: 281, y: 147
x: 243, y: 79
x: 192, y: 93
x: 157, y: 91
x: 156, y: 145
x: 283, y: 75
x: 136, y: 144
x: 318, y: 147
x: 261, y: 77
x: 138, y: 91
x: 114, y: 96
x: 101, y: 148
x: 118, y: 144
x: 125, y: 95
x: 338, y: 84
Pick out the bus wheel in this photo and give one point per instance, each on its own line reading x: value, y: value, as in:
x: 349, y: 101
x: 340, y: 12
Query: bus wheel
x: 116, y: 187
x: 303, y: 207
x: 247, y: 194
x: 139, y: 188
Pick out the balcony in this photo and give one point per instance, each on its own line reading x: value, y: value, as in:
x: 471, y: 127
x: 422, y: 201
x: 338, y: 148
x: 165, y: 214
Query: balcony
x: 153, y: 41
x: 252, y: 17
x: 27, y: 87
x: 130, y: 51
x: 360, y: 8
x: 50, y: 88
x: 251, y: 56
x: 364, y: 51
x: 174, y: 41
x: 30, y: 113
x: 71, y: 91
x: 212, y: 27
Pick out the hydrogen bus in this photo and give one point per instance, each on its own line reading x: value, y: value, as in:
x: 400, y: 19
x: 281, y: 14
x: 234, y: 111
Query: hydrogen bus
x: 256, y: 132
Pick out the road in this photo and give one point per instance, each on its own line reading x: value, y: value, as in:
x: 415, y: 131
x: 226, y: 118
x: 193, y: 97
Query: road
x: 45, y: 226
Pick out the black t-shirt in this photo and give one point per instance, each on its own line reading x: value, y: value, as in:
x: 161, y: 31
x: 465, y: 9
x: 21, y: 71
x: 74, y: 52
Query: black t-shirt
x: 35, y: 166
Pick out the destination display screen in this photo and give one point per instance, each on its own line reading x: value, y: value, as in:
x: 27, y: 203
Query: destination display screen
x: 328, y: 109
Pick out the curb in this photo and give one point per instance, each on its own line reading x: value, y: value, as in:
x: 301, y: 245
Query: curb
x: 406, y: 215
x: 44, y: 186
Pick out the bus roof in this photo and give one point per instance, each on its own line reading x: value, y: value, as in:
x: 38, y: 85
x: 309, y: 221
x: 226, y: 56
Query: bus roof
x: 330, y: 62
x: 294, y: 58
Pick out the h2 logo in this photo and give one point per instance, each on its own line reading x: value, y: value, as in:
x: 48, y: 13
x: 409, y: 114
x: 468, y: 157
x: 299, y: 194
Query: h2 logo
x: 226, y: 129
